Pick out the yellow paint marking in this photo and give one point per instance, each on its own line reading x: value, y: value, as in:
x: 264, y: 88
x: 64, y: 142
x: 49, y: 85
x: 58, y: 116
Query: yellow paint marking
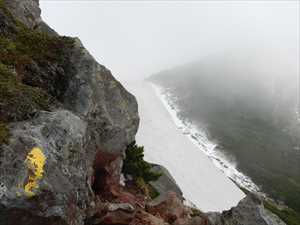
x: 35, y: 162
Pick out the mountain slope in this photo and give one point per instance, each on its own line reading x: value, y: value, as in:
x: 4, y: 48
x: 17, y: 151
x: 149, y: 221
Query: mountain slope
x: 250, y: 111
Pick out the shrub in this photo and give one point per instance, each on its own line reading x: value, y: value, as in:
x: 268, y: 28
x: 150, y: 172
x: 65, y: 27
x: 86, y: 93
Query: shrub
x: 136, y: 166
x: 140, y: 170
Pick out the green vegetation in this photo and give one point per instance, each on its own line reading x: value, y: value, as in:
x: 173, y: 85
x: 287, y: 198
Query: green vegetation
x: 136, y: 166
x: 146, y: 188
x: 140, y: 170
x: 40, y: 60
x: 34, y: 70
x: 289, y: 216
x: 4, y: 133
x: 19, y: 101
x: 153, y: 193
x: 4, y: 9
x: 264, y: 152
x: 196, y: 212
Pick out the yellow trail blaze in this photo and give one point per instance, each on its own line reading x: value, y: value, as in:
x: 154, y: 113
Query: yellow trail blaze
x: 35, y: 162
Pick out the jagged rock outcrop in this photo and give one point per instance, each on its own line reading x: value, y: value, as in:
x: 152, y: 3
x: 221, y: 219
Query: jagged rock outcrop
x: 249, y: 211
x: 27, y: 11
x: 94, y: 94
x: 170, y: 207
x: 48, y: 165
x: 165, y: 182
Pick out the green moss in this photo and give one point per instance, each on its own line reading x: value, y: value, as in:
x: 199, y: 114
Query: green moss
x: 4, y: 133
x: 196, y: 212
x: 41, y: 60
x: 34, y: 69
x: 146, y: 188
x: 3, y: 7
x: 142, y: 186
x: 19, y: 101
x: 42, y: 47
x: 289, y: 216
x: 153, y: 193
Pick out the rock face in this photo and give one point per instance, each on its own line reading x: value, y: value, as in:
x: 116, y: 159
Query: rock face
x: 170, y: 208
x: 48, y: 169
x: 165, y: 182
x: 249, y: 211
x: 27, y: 11
x: 94, y: 94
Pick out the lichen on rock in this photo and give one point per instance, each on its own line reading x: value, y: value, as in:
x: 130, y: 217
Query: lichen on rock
x: 35, y: 162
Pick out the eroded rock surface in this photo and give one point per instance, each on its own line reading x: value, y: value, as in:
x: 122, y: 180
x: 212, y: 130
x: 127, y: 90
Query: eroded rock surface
x: 48, y: 166
x: 27, y: 11
x: 165, y: 182
x: 249, y: 211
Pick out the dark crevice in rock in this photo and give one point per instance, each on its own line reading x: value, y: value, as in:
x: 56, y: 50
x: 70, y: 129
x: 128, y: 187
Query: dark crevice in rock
x: 104, y: 175
x: 100, y: 175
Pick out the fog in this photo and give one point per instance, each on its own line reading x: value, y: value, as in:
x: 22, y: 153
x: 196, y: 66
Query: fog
x: 230, y: 67
x: 136, y: 39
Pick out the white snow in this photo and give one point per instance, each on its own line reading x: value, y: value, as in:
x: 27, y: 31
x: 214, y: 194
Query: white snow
x: 201, y: 181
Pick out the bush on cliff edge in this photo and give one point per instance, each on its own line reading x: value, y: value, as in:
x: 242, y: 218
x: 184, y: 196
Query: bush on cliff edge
x: 140, y: 170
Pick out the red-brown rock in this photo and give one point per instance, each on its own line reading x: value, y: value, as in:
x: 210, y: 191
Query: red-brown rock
x: 198, y: 220
x: 170, y: 208
x: 144, y: 218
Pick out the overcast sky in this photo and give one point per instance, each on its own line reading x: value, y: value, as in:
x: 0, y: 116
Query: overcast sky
x: 135, y: 39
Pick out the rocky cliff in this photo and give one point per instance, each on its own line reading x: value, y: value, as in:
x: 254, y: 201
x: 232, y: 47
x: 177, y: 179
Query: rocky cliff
x: 47, y: 163
x: 65, y: 123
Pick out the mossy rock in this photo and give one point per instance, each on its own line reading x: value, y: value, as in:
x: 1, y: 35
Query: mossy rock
x: 4, y: 133
x: 35, y: 69
x: 146, y: 188
x: 40, y: 60
x: 19, y: 101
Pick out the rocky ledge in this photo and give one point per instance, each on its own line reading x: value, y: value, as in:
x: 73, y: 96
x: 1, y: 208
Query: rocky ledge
x: 65, y: 123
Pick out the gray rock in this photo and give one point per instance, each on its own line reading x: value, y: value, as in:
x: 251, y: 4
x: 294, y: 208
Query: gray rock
x: 94, y: 94
x: 165, y: 182
x: 27, y: 11
x: 60, y: 136
x: 249, y: 211
x: 120, y: 206
x: 47, y: 167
